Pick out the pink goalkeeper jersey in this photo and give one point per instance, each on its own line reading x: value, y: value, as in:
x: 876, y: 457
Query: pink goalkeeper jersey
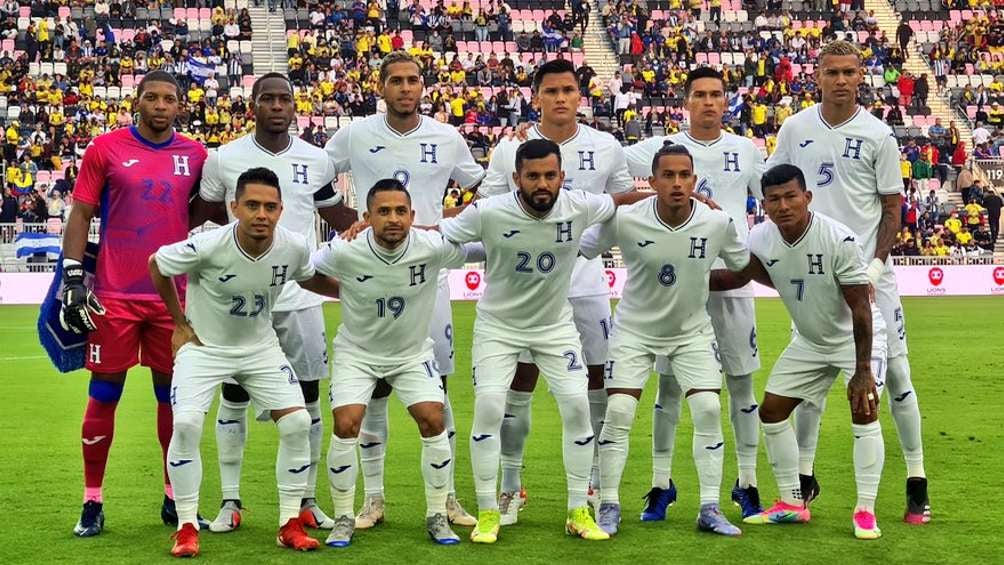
x: 142, y: 191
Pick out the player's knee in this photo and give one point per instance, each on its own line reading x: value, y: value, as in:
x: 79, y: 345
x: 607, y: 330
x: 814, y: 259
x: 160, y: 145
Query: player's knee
x: 187, y: 429
x: 294, y: 426
x: 429, y: 417
x: 235, y: 393
x: 705, y: 409
x: 105, y: 391
x: 489, y: 409
x: 620, y: 411
x: 311, y: 391
x: 346, y: 423
x: 771, y: 412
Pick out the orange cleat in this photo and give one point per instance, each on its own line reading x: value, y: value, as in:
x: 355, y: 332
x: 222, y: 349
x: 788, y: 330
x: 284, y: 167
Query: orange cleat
x: 186, y: 541
x: 293, y: 536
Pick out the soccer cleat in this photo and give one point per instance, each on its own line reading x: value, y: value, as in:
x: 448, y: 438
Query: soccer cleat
x: 510, y: 503
x: 809, y: 487
x: 658, y: 501
x: 341, y: 532
x: 781, y: 513
x: 439, y: 530
x: 865, y: 525
x: 313, y: 517
x: 169, y: 514
x: 712, y: 520
x: 293, y: 536
x: 92, y: 520
x: 487, y: 530
x: 186, y: 541
x: 371, y: 513
x: 609, y: 517
x: 918, y: 506
x: 580, y: 523
x: 229, y: 518
x: 748, y: 501
x: 456, y: 513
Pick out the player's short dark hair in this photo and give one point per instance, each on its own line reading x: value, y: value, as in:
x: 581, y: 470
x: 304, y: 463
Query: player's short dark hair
x: 670, y: 148
x: 386, y: 185
x: 258, y: 82
x: 555, y: 67
x: 536, y: 149
x: 699, y: 73
x: 157, y: 76
x: 781, y: 174
x: 257, y: 175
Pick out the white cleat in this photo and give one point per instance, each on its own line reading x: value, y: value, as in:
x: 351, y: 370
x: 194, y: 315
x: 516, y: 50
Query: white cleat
x: 371, y: 513
x: 510, y: 503
x: 313, y: 517
x: 229, y: 518
x: 457, y: 514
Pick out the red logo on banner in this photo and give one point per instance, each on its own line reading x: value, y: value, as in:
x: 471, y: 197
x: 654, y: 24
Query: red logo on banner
x: 611, y: 278
x: 473, y: 280
x: 999, y: 276
x: 936, y: 275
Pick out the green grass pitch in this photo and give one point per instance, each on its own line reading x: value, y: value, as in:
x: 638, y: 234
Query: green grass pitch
x: 957, y: 364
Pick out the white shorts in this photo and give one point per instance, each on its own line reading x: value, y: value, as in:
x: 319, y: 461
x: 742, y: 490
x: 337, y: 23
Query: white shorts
x: 441, y: 330
x: 805, y: 373
x: 302, y: 338
x: 591, y: 315
x: 555, y: 349
x: 265, y: 374
x: 734, y: 321
x: 695, y: 364
x: 353, y: 381
x: 887, y: 299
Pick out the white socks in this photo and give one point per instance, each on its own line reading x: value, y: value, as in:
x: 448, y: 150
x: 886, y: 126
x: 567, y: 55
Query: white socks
x: 808, y: 417
x: 709, y: 445
x: 292, y: 462
x: 664, y: 420
x: 373, y: 446
x: 184, y: 465
x: 906, y: 413
x: 316, y: 430
x: 437, y: 466
x: 515, y: 429
x: 613, y: 444
x: 745, y: 425
x: 231, y: 435
x: 577, y: 441
x: 869, y: 456
x: 451, y: 439
x: 782, y: 452
x: 486, y: 447
x: 342, y: 472
x: 597, y: 412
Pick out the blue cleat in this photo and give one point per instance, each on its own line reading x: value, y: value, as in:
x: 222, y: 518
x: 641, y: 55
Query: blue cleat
x: 658, y: 501
x: 609, y: 517
x: 341, y: 533
x: 747, y: 499
x: 712, y: 520
x: 439, y: 530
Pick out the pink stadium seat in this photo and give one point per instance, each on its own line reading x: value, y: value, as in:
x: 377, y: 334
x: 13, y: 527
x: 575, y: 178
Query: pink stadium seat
x: 701, y: 58
x: 24, y: 12
x: 509, y: 47
x: 205, y: 14
x: 302, y: 122
x: 63, y: 12
x: 247, y: 81
x: 128, y: 80
x: 7, y: 45
x: 179, y: 14
x: 192, y: 14
x: 539, y: 15
x: 714, y: 58
x: 552, y: 56
x: 485, y: 46
x: 577, y: 59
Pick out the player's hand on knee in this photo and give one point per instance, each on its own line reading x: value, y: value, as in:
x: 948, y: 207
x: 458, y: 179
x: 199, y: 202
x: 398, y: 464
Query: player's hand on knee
x: 182, y: 334
x: 79, y: 303
x: 862, y: 393
x: 354, y: 229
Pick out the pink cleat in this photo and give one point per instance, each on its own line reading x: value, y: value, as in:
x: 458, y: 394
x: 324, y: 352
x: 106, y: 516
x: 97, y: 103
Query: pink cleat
x: 865, y: 525
x: 781, y: 513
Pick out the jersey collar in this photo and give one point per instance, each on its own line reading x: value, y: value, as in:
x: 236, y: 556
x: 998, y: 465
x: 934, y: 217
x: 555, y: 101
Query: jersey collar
x: 808, y: 226
x: 289, y: 146
x: 721, y: 135
x: 540, y: 134
x: 522, y: 206
x: 393, y: 131
x: 248, y: 256
x: 135, y: 133
x: 693, y: 212
x: 387, y: 257
x: 819, y: 114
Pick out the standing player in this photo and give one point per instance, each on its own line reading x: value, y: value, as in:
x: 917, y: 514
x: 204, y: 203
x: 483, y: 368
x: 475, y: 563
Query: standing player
x: 305, y: 174
x: 817, y: 267
x: 235, y: 276
x: 669, y: 245
x: 593, y: 161
x: 139, y: 180
x: 424, y: 155
x: 531, y: 240
x: 728, y: 168
x: 852, y: 162
x: 388, y: 280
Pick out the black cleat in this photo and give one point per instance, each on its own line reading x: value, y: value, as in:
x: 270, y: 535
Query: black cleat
x: 810, y: 488
x: 92, y: 520
x: 918, y: 506
x: 169, y: 514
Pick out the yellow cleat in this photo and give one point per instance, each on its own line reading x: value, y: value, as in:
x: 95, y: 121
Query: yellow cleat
x: 487, y: 530
x: 580, y: 523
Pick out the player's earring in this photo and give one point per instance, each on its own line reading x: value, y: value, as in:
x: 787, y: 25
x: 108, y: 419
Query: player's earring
x: 135, y: 118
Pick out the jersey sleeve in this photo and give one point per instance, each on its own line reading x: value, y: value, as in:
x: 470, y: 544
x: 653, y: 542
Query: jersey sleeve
x: 453, y: 255
x: 339, y: 150
x: 599, y: 207
x: 181, y: 257
x: 465, y: 227
x: 327, y: 196
x: 639, y: 156
x: 304, y: 268
x: 620, y: 179
x: 888, y: 179
x: 759, y: 168
x: 848, y: 262
x: 211, y: 187
x: 325, y: 259
x: 734, y: 251
x: 91, y: 178
x: 466, y: 171
x: 598, y: 239
x: 496, y: 181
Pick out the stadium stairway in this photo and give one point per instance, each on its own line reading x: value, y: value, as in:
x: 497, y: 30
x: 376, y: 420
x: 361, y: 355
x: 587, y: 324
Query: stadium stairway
x: 597, y: 48
x: 269, y: 44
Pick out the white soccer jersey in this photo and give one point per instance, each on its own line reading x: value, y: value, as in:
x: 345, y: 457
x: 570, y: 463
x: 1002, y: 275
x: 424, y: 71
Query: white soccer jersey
x: 230, y: 294
x: 847, y: 167
x: 423, y: 159
x: 728, y: 169
x: 386, y: 295
x: 593, y: 161
x: 305, y: 176
x: 665, y: 299
x: 529, y: 260
x: 808, y: 275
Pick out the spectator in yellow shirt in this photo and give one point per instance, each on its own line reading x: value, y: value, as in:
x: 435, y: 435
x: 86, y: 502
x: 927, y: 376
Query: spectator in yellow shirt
x: 973, y: 213
x: 953, y: 224
x: 905, y: 171
x: 964, y: 236
x: 195, y: 93
x: 457, y: 110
